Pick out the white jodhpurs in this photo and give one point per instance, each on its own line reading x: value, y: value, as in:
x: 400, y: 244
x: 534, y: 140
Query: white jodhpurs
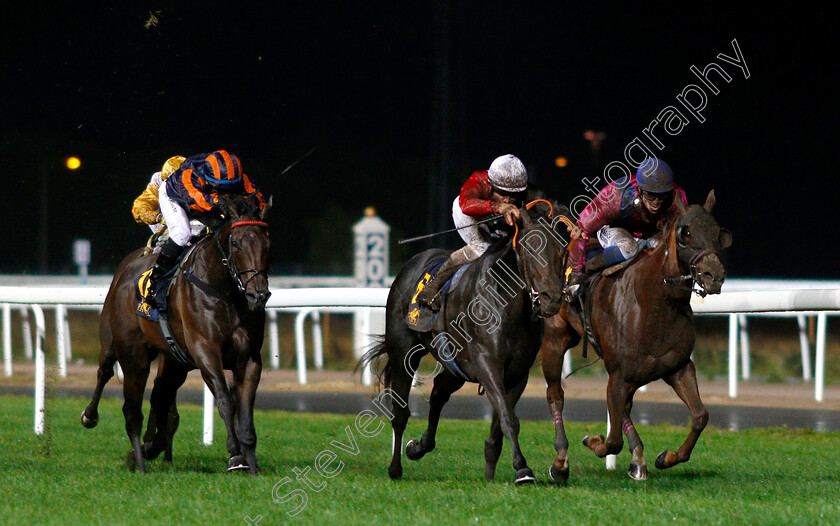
x: 176, y: 218
x: 620, y: 238
x: 477, y: 240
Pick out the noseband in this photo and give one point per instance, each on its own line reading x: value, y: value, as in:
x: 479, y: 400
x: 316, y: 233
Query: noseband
x: 227, y: 260
x: 693, y: 274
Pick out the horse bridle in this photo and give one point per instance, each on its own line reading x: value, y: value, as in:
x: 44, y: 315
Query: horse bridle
x: 523, y: 261
x: 228, y: 262
x: 693, y: 274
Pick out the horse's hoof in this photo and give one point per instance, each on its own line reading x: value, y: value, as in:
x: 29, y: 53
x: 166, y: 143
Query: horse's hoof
x: 637, y: 472
x: 587, y: 438
x: 395, y: 473
x: 237, y: 462
x: 525, y: 476
x: 560, y: 476
x: 89, y: 423
x: 414, y: 450
x: 660, y: 460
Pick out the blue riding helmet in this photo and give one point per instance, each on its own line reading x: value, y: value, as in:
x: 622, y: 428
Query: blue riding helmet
x: 655, y: 176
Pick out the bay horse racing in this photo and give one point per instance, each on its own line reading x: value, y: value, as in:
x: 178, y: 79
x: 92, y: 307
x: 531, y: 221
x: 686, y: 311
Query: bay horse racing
x: 639, y: 319
x: 488, y: 331
x: 215, y: 314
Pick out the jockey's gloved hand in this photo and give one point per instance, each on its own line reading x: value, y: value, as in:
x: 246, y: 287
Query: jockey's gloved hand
x: 509, y: 211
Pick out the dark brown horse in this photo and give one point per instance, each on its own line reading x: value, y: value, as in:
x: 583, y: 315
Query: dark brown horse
x: 492, y: 335
x: 642, y: 320
x: 216, y: 309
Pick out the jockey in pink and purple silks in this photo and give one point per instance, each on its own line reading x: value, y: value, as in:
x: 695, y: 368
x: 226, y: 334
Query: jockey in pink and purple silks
x: 621, y: 215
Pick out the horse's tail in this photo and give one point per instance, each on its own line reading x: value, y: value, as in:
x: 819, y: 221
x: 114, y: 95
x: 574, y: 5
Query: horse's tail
x: 374, y: 354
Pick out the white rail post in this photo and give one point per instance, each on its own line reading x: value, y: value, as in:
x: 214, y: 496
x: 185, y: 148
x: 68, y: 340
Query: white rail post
x: 300, y: 345
x: 804, y: 346
x: 733, y: 356
x: 273, y: 339
x: 60, y: 319
x: 26, y: 331
x: 371, y: 257
x: 317, y: 341
x: 367, y: 328
x: 209, y: 406
x: 745, y: 347
x: 68, y: 343
x: 40, y: 369
x: 819, y: 371
x: 611, y: 459
x: 567, y: 363
x: 7, y: 339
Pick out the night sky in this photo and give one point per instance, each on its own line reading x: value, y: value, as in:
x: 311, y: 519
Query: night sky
x: 402, y: 102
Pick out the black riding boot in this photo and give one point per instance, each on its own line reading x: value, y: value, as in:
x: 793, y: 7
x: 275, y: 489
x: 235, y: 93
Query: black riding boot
x: 429, y: 296
x: 597, y: 263
x: 166, y: 259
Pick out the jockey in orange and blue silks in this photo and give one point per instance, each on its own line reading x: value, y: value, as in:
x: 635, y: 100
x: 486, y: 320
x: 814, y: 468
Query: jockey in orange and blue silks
x: 193, y: 191
x: 620, y: 215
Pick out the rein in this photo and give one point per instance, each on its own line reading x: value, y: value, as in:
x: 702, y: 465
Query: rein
x: 228, y: 262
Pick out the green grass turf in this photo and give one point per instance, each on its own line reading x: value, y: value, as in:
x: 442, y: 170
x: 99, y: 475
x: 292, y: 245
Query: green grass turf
x: 76, y: 476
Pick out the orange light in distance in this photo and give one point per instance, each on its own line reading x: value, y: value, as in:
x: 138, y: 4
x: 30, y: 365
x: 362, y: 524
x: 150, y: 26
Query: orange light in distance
x: 73, y: 163
x: 561, y: 162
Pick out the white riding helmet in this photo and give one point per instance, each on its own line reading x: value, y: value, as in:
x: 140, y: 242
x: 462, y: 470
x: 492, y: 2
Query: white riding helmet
x: 507, y: 173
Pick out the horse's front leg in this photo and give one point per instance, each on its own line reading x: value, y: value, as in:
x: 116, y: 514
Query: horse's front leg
x: 493, y: 444
x: 557, y: 337
x: 638, y: 466
x: 503, y: 403
x: 247, y: 378
x: 684, y: 383
x: 618, y: 394
x: 208, y: 358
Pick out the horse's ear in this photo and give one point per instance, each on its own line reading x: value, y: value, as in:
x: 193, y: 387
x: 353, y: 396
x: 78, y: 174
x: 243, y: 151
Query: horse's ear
x: 225, y: 206
x: 725, y: 238
x: 267, y: 207
x: 679, y: 204
x: 710, y: 201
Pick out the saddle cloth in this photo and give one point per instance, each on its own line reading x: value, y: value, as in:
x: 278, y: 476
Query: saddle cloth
x: 141, y: 288
x: 421, y: 318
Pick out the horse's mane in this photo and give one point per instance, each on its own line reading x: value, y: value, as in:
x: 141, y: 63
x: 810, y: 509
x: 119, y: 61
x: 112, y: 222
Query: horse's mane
x: 243, y: 206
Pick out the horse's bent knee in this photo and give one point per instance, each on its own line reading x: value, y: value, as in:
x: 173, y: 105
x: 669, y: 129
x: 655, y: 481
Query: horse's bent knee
x: 699, y: 421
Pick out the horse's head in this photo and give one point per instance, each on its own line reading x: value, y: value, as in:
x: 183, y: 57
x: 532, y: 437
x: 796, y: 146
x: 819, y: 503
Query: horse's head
x: 245, y: 245
x: 700, y: 241
x: 540, y: 253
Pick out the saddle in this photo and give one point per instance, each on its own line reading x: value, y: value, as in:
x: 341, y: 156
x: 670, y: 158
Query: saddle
x: 421, y: 318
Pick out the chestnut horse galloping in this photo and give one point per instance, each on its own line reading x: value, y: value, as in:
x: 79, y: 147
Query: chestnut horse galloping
x: 642, y: 320
x: 216, y: 310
